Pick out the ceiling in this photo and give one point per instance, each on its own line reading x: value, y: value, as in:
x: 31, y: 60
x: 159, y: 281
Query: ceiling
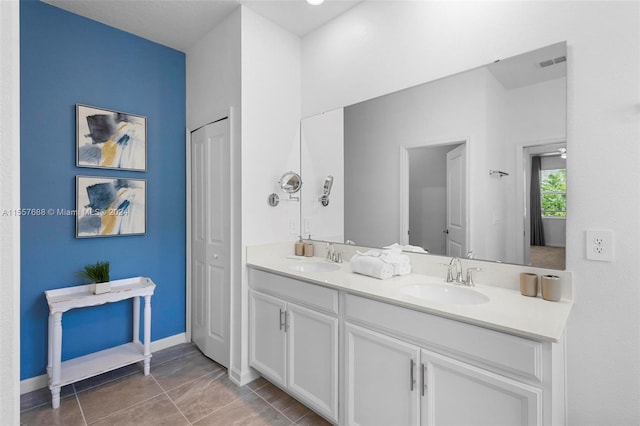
x: 524, y: 69
x: 181, y: 23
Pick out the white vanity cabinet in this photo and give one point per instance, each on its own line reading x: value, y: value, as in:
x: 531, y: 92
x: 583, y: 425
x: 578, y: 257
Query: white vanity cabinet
x: 293, y: 332
x: 398, y: 365
x: 407, y: 367
x: 380, y: 379
x: 457, y: 393
x: 392, y: 382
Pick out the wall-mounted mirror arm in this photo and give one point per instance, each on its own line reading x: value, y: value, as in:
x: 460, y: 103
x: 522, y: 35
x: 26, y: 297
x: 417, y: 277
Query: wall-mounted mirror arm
x: 290, y: 183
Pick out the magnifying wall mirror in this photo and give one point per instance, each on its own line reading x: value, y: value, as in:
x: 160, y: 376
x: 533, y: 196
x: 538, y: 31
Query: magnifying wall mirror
x: 290, y: 183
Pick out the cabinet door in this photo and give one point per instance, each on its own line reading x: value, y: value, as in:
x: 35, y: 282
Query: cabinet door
x: 312, y: 372
x: 267, y: 338
x: 456, y: 393
x: 381, y: 385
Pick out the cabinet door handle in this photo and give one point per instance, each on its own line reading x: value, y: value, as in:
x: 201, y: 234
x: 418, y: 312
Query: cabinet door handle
x: 281, y: 319
x: 412, y: 378
x: 422, y: 377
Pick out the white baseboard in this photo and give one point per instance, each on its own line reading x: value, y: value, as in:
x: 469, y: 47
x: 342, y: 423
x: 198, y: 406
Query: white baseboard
x: 39, y: 382
x: 242, y: 379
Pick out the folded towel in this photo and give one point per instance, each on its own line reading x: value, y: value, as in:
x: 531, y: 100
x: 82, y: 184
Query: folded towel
x: 406, y: 247
x: 372, y: 266
x: 375, y: 260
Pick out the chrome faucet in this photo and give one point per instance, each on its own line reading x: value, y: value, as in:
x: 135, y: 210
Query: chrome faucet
x: 333, y: 255
x: 455, y: 276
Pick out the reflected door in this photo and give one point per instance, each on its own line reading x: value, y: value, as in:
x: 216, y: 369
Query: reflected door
x: 456, y: 202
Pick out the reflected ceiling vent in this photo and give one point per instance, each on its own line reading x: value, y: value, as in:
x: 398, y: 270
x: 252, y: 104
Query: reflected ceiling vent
x: 550, y: 62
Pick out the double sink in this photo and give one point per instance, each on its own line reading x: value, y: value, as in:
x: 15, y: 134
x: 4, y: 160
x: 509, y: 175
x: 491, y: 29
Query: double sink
x: 438, y: 292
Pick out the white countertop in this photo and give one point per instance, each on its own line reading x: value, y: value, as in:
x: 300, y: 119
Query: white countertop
x: 507, y: 310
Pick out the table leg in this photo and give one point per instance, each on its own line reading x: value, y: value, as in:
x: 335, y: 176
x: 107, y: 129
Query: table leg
x: 147, y: 334
x: 49, y: 345
x: 136, y: 319
x: 56, y: 355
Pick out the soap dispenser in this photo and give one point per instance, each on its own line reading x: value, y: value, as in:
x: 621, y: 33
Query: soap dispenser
x: 299, y: 250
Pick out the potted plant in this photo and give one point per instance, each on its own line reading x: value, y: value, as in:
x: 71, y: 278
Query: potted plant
x: 98, y: 273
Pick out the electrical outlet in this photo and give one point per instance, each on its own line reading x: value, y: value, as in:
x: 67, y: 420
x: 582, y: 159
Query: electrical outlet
x: 293, y: 227
x: 599, y: 245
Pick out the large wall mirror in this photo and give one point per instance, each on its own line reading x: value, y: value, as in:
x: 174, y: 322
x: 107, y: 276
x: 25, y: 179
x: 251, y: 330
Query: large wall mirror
x: 472, y: 163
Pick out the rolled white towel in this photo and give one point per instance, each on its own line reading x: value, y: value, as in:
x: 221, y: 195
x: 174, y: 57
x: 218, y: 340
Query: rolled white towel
x: 402, y: 269
x: 401, y: 262
x: 371, y: 266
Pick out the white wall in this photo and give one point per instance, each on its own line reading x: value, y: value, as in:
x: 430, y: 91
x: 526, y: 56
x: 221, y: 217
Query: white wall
x: 10, y: 199
x: 378, y: 47
x: 271, y: 93
x: 213, y: 74
x: 322, y: 142
x: 270, y: 126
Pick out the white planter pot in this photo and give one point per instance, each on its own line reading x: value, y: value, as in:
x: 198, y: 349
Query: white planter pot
x: 99, y: 288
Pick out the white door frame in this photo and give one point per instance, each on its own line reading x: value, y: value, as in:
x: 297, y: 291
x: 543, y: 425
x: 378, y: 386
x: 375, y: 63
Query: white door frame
x: 229, y: 114
x: 521, y: 202
x: 403, y: 232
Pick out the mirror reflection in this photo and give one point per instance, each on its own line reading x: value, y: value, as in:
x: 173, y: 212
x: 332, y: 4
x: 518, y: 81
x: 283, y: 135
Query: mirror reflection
x: 468, y: 165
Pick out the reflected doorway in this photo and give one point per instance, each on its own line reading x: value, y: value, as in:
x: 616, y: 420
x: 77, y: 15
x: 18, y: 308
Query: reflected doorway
x: 436, y: 198
x: 545, y: 200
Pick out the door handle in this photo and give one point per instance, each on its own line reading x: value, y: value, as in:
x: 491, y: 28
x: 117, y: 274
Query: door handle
x: 446, y: 231
x: 424, y: 384
x: 412, y: 378
x: 281, y: 319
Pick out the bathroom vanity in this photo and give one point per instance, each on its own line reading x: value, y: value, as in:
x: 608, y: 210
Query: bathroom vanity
x: 362, y: 351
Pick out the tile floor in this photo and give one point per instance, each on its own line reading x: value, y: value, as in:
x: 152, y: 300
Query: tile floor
x: 184, y: 388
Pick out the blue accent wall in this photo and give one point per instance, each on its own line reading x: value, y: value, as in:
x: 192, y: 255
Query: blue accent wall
x: 67, y: 59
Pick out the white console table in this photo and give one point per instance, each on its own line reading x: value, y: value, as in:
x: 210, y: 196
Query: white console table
x: 70, y: 371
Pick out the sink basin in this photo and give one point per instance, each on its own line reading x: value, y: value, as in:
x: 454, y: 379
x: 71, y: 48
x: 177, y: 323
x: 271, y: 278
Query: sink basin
x: 445, y: 293
x: 314, y: 267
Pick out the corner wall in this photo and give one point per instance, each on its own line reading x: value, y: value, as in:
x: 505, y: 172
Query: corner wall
x: 67, y: 59
x: 10, y: 199
x: 379, y: 47
x: 271, y: 93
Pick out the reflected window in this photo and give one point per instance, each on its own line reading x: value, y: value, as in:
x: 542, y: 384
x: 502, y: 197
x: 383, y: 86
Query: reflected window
x: 553, y: 192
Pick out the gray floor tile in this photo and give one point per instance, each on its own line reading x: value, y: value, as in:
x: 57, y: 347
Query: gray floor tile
x: 42, y: 396
x: 183, y: 370
x: 257, y: 383
x: 174, y: 352
x: 67, y: 414
x: 107, y: 377
x: 250, y: 410
x: 156, y: 411
x: 283, y: 402
x: 205, y: 395
x: 312, y: 419
x: 119, y: 394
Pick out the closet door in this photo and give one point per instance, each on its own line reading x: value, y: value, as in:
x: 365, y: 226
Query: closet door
x: 210, y: 240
